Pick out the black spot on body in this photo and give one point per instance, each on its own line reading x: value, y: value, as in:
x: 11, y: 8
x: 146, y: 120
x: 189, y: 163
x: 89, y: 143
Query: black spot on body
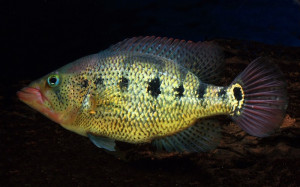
x: 154, y: 87
x: 124, y: 83
x: 201, y: 90
x: 98, y: 81
x: 179, y: 91
x: 222, y: 93
x: 59, y: 97
x: 85, y: 83
x: 237, y: 93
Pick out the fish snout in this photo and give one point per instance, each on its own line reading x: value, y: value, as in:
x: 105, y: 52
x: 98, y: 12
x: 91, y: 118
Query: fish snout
x: 31, y: 94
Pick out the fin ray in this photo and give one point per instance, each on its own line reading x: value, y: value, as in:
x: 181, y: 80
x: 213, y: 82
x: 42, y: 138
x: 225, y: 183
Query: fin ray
x: 205, y: 59
x: 103, y: 142
x: 203, y: 136
x: 265, y: 98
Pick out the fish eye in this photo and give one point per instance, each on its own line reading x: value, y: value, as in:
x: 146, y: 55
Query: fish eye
x: 53, y: 80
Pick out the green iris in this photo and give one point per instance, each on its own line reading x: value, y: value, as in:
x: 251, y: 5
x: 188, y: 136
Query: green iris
x: 53, y: 80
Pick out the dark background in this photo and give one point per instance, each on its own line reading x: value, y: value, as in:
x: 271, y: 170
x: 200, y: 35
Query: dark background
x: 40, y: 36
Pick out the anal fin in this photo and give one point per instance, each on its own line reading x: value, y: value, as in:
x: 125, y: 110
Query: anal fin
x: 203, y: 136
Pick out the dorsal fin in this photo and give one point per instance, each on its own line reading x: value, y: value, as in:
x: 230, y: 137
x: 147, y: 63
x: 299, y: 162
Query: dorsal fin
x: 205, y: 59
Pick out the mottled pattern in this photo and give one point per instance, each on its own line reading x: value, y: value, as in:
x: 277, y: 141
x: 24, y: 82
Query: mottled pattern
x: 139, y: 112
x: 140, y: 89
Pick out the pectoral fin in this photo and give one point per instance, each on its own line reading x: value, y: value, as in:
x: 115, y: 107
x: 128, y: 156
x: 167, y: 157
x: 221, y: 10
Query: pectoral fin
x: 103, y: 142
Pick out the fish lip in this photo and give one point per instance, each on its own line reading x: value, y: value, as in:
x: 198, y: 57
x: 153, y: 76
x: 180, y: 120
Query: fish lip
x: 33, y: 97
x: 29, y: 94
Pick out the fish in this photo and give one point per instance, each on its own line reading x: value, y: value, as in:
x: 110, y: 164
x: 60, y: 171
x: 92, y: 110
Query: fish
x: 161, y: 91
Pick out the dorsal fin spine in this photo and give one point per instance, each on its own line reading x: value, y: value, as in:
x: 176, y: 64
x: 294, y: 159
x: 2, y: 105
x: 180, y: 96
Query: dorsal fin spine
x: 156, y: 44
x: 137, y: 46
x: 146, y: 47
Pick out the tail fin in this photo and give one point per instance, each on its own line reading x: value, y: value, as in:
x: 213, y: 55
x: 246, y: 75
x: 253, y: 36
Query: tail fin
x: 265, y: 98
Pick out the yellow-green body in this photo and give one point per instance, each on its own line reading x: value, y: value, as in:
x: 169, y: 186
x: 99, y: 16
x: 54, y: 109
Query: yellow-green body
x: 152, y: 89
x: 132, y: 114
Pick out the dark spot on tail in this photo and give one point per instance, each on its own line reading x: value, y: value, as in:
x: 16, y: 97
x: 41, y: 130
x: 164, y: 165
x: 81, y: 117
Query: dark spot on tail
x: 154, y: 87
x: 201, y: 90
x: 85, y: 83
x: 179, y: 91
x: 98, y: 81
x: 124, y: 83
x: 237, y: 93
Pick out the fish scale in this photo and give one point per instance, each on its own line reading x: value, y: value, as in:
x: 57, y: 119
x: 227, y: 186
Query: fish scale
x: 159, y: 90
x: 144, y: 126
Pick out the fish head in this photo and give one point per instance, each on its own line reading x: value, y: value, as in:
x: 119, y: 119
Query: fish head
x: 49, y: 96
x: 59, y: 94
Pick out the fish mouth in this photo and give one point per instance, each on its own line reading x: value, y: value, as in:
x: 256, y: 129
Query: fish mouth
x: 36, y: 100
x: 29, y: 94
